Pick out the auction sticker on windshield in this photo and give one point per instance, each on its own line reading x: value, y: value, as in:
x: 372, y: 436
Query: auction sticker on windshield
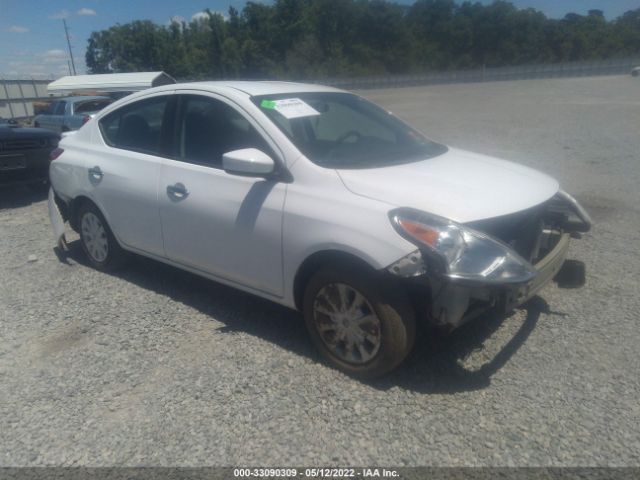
x: 290, y: 107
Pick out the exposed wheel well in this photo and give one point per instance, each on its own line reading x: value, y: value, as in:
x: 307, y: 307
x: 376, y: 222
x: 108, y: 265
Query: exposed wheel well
x: 74, y: 208
x: 315, y: 262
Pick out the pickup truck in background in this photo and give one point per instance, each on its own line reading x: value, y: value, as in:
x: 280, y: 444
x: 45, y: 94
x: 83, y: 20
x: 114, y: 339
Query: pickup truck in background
x: 24, y: 154
x: 70, y: 113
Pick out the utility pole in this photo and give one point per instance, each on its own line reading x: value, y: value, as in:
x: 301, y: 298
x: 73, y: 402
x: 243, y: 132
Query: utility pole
x: 66, y: 32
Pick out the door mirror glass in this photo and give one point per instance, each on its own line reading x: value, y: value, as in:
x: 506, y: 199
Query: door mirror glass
x: 249, y: 162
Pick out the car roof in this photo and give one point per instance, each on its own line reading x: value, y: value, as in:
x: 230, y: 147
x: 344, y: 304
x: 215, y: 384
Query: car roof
x: 254, y: 88
x: 229, y: 88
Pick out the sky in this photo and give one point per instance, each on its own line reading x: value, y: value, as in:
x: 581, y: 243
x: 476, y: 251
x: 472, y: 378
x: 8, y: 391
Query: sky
x: 32, y: 39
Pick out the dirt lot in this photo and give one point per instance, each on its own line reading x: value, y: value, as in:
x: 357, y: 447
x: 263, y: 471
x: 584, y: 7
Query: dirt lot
x: 153, y: 366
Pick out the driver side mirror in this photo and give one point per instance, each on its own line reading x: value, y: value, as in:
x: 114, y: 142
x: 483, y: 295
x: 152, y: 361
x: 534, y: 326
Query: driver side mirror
x: 248, y: 162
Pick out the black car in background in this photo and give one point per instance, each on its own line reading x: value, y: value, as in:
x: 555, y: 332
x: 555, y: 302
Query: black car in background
x: 24, y: 154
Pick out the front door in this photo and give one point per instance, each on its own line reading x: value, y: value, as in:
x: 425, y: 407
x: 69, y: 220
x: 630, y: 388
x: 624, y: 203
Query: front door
x: 222, y: 224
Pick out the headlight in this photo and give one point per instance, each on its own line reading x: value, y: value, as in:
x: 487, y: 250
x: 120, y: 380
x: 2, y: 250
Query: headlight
x: 459, y: 252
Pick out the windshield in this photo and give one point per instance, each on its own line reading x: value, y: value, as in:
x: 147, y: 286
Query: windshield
x: 342, y: 130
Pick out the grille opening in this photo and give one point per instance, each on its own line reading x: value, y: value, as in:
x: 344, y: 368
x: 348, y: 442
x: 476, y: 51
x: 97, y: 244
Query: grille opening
x: 532, y: 233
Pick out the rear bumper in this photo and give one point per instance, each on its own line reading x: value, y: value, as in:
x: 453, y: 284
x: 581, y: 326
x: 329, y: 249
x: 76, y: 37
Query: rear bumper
x: 55, y: 216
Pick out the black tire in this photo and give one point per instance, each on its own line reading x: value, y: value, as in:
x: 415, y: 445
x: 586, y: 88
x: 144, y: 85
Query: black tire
x: 36, y: 124
x: 115, y: 256
x: 397, y: 325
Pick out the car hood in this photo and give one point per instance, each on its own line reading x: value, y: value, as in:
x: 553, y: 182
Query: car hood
x: 458, y: 185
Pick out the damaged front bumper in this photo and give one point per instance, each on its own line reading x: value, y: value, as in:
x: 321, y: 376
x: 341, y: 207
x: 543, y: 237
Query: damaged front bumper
x: 455, y: 303
x: 449, y: 302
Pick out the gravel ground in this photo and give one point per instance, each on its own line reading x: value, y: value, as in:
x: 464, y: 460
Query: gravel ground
x: 153, y: 366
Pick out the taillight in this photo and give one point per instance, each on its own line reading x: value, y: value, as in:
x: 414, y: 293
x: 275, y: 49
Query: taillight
x: 55, y: 153
x: 85, y: 119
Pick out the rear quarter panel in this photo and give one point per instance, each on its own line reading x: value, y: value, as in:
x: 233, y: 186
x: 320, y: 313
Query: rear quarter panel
x: 68, y: 173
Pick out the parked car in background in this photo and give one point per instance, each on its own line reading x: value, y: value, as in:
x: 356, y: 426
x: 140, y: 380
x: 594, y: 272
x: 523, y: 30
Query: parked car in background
x: 319, y: 200
x: 24, y: 154
x: 635, y: 72
x: 70, y: 113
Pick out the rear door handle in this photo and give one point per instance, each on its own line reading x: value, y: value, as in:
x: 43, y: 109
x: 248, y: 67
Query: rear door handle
x: 177, y: 191
x: 95, y: 174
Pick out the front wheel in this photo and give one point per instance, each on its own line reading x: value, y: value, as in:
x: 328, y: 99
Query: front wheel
x: 362, y: 323
x: 98, y: 242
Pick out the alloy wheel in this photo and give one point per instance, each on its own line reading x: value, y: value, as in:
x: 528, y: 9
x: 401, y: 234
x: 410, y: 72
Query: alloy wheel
x: 347, y: 324
x: 94, y: 237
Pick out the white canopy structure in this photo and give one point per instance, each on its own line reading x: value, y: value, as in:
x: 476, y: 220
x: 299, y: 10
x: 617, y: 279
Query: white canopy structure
x: 110, y: 82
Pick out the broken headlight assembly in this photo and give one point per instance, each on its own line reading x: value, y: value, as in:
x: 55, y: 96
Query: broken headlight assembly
x: 461, y: 253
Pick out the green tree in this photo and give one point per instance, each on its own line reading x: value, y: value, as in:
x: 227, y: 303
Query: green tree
x: 332, y: 38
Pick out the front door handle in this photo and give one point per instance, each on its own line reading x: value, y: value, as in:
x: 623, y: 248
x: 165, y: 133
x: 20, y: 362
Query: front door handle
x: 177, y: 191
x: 95, y: 174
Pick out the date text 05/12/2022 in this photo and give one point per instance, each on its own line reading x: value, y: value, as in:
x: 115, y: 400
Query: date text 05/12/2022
x: 315, y: 473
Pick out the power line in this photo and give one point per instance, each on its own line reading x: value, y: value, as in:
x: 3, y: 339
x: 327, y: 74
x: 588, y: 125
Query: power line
x: 66, y: 32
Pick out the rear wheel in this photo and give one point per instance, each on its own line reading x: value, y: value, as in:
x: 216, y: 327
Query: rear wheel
x: 99, y: 244
x: 362, y: 323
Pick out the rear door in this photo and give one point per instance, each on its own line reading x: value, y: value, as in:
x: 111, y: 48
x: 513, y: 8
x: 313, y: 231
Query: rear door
x: 225, y: 225
x: 124, y: 176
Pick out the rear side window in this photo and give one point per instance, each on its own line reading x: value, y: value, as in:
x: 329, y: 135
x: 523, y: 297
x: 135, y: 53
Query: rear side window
x: 137, y: 127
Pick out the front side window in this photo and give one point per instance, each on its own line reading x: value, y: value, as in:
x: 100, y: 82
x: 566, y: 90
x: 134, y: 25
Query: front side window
x: 341, y: 130
x: 137, y: 127
x: 209, y: 128
x: 59, y: 108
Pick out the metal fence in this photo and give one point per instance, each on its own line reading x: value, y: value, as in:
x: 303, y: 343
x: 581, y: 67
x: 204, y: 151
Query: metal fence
x: 522, y: 72
x: 17, y: 96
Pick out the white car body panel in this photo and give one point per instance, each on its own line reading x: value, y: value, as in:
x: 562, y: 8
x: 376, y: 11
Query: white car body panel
x: 255, y: 234
x: 321, y: 215
x: 128, y: 196
x: 227, y: 225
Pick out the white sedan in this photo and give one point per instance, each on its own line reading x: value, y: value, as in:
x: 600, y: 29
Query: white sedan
x: 319, y: 200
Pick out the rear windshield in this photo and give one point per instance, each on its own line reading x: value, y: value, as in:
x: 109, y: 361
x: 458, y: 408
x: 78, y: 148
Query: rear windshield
x: 342, y: 130
x: 91, y: 105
